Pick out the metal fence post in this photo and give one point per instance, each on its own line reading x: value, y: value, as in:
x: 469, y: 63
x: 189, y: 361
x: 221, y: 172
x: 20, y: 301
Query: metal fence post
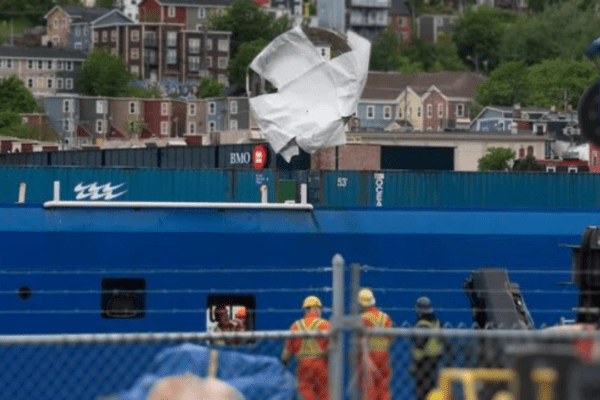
x: 354, y: 312
x: 336, y: 345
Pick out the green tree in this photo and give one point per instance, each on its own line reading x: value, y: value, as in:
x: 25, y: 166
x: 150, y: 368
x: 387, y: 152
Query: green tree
x: 434, y: 57
x: 134, y: 126
x: 478, y: 35
x: 385, y: 55
x: 246, y: 22
x: 529, y: 164
x: 562, y: 30
x: 15, y: 97
x: 105, y: 3
x: 238, y: 65
x: 496, y: 159
x: 103, y: 74
x: 211, y: 88
x: 507, y: 85
x: 145, y: 93
x: 552, y: 80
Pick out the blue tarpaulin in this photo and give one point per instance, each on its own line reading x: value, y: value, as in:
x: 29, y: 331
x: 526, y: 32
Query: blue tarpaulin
x: 256, y: 377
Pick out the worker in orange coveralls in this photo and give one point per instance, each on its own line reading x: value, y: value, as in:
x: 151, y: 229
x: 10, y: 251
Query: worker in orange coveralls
x: 311, y: 353
x: 374, y: 371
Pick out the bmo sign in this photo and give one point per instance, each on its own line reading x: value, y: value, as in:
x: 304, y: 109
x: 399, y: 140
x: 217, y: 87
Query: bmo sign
x: 244, y: 157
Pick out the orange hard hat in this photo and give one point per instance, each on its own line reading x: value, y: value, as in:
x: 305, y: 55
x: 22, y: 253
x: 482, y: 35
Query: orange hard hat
x: 241, y: 313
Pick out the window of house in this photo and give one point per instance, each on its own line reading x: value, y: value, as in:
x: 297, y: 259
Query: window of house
x: 171, y: 11
x: 59, y: 65
x: 194, y: 63
x: 69, y: 83
x: 212, y: 126
x: 40, y: 64
x: 113, y: 35
x: 133, y: 107
x: 55, y: 23
x: 171, y: 56
x: 222, y: 62
x: 67, y: 125
x: 222, y: 79
x: 30, y: 64
x: 199, y: 27
x: 223, y: 45
x: 164, y: 108
x: 521, y: 152
x: 69, y: 65
x: 191, y: 109
x: 150, y: 38
x: 95, y: 36
x: 1, y: 63
x: 460, y: 110
x: 78, y: 46
x: 135, y: 54
x: 50, y: 83
x: 192, y: 128
x: 419, y: 111
x: 208, y: 62
x: 55, y: 40
x: 171, y: 39
x: 201, y: 12
x: 387, y: 112
x: 66, y: 106
x: 429, y: 110
x: 104, y: 36
x: 99, y: 106
x: 49, y: 65
x: 9, y: 63
x: 212, y: 108
x: 99, y: 126
x: 194, y: 45
x: 233, y: 125
x: 550, y: 168
x: 530, y: 151
x: 208, y: 44
x: 370, y: 112
x: 440, y: 110
x: 399, y: 112
x: 59, y: 83
x: 30, y: 83
x: 572, y: 169
x: 78, y: 31
x: 135, y: 69
x: 233, y: 107
x: 164, y: 128
x: 135, y: 35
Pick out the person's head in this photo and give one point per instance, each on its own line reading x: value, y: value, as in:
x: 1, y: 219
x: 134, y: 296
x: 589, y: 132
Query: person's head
x: 366, y: 298
x: 423, y: 306
x: 312, y: 304
x: 221, y: 314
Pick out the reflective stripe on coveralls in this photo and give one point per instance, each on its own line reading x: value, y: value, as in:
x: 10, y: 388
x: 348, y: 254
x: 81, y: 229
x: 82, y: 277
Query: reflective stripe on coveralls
x: 434, y: 346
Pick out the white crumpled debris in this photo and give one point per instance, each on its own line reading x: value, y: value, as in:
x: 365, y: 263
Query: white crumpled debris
x: 314, y: 94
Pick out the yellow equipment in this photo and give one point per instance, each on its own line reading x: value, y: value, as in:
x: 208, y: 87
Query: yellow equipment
x: 544, y: 378
x: 312, y: 301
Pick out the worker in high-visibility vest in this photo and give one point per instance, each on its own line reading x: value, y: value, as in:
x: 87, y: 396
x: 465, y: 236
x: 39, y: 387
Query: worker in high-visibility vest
x: 311, y: 353
x: 427, y: 351
x: 375, y: 369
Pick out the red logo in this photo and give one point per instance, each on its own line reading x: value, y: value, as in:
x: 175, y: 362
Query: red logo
x: 259, y: 156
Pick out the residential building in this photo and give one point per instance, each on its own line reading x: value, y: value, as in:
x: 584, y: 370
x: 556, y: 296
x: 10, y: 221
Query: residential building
x: 430, y: 27
x: 425, y: 101
x: 368, y: 18
x: 82, y: 29
x: 168, y: 52
x: 63, y: 115
x: 126, y: 115
x: 61, y: 20
x: 45, y: 71
x: 216, y: 114
x: 401, y: 20
x: 195, y: 120
x: 39, y: 127
x: 131, y: 8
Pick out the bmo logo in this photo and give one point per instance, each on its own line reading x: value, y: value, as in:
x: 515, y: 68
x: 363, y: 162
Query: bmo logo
x: 259, y: 156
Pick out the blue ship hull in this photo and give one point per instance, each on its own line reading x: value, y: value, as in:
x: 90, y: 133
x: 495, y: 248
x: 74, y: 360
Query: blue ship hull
x: 278, y: 257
